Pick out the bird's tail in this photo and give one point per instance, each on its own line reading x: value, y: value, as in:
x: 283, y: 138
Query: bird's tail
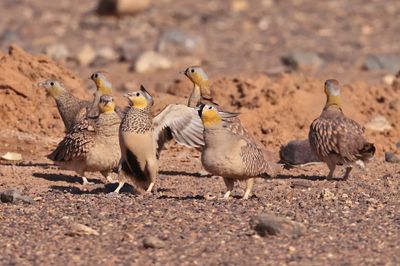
x: 367, y: 151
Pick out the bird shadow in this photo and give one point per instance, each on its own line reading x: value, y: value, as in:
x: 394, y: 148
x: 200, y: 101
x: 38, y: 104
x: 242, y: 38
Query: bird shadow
x: 308, y: 177
x: 183, y: 173
x: 196, y: 197
x: 63, y: 177
x: 30, y: 164
x: 94, y: 189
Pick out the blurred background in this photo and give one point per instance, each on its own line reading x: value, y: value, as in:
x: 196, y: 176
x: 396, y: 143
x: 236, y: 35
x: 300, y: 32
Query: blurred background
x: 349, y: 40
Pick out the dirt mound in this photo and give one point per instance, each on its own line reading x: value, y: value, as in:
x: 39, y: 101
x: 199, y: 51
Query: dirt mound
x: 281, y: 109
x: 24, y: 105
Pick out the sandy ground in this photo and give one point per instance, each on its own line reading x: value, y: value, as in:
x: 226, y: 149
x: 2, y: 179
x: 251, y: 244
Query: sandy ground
x: 348, y: 222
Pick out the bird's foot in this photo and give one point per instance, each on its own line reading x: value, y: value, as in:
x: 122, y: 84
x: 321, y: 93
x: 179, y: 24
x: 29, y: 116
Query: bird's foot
x: 85, y: 182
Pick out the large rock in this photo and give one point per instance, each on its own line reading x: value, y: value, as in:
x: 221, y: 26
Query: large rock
x: 269, y: 224
x: 300, y: 60
x: 389, y: 62
x: 297, y: 152
x: 57, y: 51
x: 13, y: 195
x: 122, y: 7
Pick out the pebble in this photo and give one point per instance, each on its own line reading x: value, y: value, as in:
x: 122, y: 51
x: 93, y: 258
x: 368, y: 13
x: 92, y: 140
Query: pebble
x: 327, y: 195
x: 306, y: 61
x: 78, y: 229
x: 151, y: 61
x: 392, y: 157
x: 378, y: 123
x: 269, y: 224
x: 153, y: 242
x: 128, y: 51
x: 122, y: 7
x: 174, y: 42
x: 13, y: 195
x: 389, y: 62
x: 389, y: 79
x: 57, y: 51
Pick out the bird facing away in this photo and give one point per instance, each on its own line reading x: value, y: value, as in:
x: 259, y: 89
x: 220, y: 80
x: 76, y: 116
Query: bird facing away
x: 92, y: 144
x: 336, y: 139
x: 201, y: 92
x: 234, y: 155
x: 142, y: 137
x: 71, y: 108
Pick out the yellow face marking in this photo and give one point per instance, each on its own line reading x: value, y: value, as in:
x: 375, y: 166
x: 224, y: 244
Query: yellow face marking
x: 54, y: 90
x: 210, y: 117
x: 107, y: 108
x: 333, y: 100
x: 138, y: 101
x: 198, y: 80
x: 102, y: 86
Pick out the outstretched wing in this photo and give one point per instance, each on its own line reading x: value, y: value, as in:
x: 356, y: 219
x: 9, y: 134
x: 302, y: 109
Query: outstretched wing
x: 179, y: 122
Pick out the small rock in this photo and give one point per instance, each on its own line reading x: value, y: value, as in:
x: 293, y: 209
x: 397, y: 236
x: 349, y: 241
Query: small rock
x: 57, y: 51
x: 78, y: 229
x: 299, y: 60
x: 327, y: 195
x: 174, y: 42
x: 297, y: 152
x: 107, y: 53
x: 12, y: 156
x: 392, y: 157
x: 13, y: 195
x: 151, y: 61
x: 239, y: 5
x: 153, y: 242
x: 104, y: 55
x: 269, y: 224
x: 86, y: 55
x: 378, y: 123
x: 398, y: 145
x: 122, y: 7
x: 389, y: 79
x: 389, y: 62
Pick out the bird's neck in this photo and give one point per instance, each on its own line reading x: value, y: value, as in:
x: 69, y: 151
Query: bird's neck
x: 333, y: 100
x: 194, y: 98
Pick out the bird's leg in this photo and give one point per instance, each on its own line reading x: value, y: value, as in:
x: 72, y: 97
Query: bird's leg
x: 107, y: 176
x: 229, y: 186
x: 84, y: 179
x: 332, y: 168
x: 150, y: 188
x: 249, y: 187
x: 120, y: 185
x: 347, y: 173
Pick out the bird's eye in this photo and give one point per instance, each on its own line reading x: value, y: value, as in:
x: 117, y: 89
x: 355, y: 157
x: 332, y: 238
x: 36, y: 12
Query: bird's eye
x: 52, y: 83
x: 192, y: 70
x: 209, y: 107
x: 138, y: 94
x: 96, y: 76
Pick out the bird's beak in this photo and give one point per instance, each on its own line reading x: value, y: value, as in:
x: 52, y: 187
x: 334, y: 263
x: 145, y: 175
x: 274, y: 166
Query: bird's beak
x: 41, y: 84
x: 126, y: 95
x: 182, y: 72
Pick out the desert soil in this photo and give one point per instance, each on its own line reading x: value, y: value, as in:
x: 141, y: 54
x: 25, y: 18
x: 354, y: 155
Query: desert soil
x: 352, y: 222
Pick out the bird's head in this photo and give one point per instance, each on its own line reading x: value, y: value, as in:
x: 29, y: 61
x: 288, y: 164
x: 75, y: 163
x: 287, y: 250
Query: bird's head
x: 197, y: 75
x: 140, y: 99
x: 106, y: 104
x: 209, y: 115
x: 53, y: 87
x: 103, y: 84
x: 332, y: 91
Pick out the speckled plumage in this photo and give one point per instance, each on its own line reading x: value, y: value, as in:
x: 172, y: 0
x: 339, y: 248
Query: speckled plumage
x: 232, y: 153
x: 71, y: 108
x: 336, y: 139
x: 91, y: 145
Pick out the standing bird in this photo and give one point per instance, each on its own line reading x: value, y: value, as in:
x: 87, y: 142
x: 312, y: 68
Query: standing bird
x: 71, y: 108
x: 92, y: 144
x: 234, y: 155
x: 336, y: 139
x: 201, y: 92
x: 142, y: 137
